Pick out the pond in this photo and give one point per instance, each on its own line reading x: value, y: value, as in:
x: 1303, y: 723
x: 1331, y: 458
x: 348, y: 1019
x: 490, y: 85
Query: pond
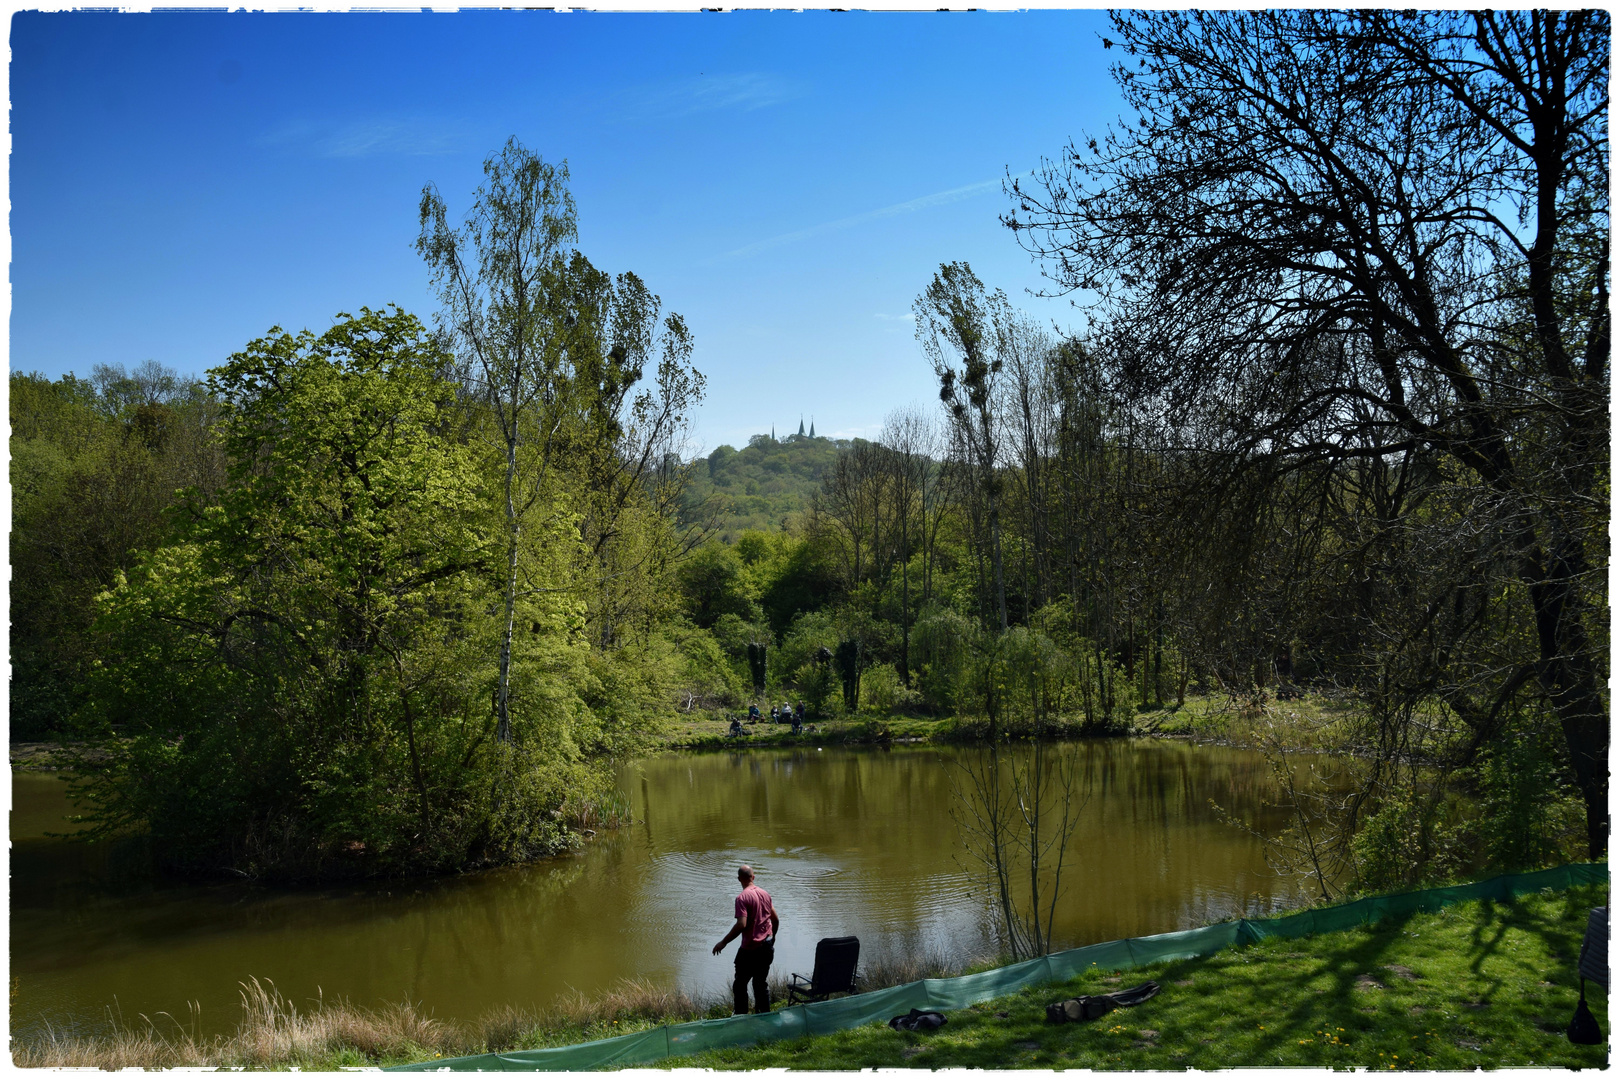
x: 847, y: 841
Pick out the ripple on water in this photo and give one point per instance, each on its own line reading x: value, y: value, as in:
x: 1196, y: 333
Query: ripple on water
x: 688, y: 887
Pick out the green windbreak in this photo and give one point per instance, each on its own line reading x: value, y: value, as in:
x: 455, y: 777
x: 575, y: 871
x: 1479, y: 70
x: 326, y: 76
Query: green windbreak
x: 823, y: 1017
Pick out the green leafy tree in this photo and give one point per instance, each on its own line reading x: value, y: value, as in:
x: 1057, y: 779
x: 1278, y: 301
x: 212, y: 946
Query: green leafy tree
x: 714, y: 584
x: 503, y: 280
x: 297, y: 684
x: 94, y: 466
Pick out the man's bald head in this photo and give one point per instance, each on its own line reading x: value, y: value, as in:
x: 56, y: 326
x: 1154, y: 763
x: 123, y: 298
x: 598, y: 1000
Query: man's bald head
x: 745, y: 874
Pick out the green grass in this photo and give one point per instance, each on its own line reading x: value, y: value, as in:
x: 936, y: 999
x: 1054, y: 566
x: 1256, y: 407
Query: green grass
x: 1309, y: 723
x: 1478, y: 985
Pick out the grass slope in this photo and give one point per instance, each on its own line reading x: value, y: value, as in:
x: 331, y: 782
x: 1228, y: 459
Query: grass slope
x: 1481, y: 984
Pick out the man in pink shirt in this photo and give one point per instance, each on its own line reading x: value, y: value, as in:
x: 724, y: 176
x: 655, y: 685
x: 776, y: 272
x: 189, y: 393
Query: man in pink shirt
x: 757, y: 922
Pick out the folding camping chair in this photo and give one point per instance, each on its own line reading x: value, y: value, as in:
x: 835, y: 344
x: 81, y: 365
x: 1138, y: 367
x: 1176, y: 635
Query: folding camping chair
x: 834, y: 973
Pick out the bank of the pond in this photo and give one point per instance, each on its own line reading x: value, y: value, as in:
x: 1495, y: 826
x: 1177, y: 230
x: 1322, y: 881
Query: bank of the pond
x: 1480, y: 985
x: 1483, y: 984
x: 1312, y: 723
x: 276, y: 1033
x: 710, y: 732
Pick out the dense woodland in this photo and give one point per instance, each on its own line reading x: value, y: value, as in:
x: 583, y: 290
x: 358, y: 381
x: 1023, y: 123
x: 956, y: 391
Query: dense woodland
x: 765, y: 486
x: 383, y: 598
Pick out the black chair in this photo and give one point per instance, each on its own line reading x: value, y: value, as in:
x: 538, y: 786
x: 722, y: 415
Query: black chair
x: 835, y: 971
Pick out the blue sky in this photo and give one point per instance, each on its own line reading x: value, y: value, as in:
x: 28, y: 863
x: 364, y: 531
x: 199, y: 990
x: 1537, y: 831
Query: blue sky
x: 788, y: 182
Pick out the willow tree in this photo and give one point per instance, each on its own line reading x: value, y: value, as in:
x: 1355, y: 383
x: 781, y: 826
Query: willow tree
x: 1344, y: 236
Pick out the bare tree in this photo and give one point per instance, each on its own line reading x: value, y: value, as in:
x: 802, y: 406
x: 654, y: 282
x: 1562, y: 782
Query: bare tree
x: 1348, y: 235
x: 1026, y: 393
x: 1017, y: 810
x: 909, y: 439
x: 850, y: 502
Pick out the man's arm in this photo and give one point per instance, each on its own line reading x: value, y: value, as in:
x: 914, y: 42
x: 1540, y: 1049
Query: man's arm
x: 738, y: 927
x: 776, y: 923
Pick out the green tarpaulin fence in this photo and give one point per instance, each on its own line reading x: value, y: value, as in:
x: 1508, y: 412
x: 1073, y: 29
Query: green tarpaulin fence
x: 822, y: 1017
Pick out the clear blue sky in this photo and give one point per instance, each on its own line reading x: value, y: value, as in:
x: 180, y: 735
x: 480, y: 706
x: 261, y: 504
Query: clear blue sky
x: 787, y: 182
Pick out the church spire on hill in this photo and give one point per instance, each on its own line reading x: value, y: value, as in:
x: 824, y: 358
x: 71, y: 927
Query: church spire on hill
x: 812, y: 427
x: 801, y: 423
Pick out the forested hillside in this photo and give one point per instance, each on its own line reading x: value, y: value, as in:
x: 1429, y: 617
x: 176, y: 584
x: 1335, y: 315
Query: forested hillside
x: 767, y: 485
x: 95, y: 464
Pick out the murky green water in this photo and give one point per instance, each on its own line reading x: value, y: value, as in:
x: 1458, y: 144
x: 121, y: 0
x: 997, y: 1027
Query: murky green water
x: 847, y: 842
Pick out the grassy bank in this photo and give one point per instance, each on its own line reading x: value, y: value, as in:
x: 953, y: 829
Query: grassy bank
x: 1477, y: 985
x: 1312, y: 722
x: 708, y: 732
x: 277, y: 1033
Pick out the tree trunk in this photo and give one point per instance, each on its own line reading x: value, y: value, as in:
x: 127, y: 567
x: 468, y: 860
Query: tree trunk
x: 1567, y: 674
x: 503, y: 686
x: 905, y: 599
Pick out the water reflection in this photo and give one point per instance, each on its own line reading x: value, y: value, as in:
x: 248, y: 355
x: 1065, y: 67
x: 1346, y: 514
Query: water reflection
x: 847, y: 841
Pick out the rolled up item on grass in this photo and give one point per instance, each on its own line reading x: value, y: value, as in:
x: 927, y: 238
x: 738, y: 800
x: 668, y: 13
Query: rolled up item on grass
x: 1091, y: 1006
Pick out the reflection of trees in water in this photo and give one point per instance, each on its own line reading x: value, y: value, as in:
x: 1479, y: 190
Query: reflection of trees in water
x: 1165, y: 861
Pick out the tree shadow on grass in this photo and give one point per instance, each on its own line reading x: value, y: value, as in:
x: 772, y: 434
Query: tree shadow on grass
x: 1393, y: 991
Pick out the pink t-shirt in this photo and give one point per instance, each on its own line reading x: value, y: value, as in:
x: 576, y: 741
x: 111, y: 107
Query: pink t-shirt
x: 754, y: 904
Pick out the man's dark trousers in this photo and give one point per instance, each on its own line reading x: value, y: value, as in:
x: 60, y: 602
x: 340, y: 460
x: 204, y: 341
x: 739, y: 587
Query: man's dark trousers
x: 753, y: 965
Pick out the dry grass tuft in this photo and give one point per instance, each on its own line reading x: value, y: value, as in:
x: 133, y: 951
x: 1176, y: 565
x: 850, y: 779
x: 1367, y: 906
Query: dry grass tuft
x: 274, y: 1030
x: 507, y: 1028
x: 123, y: 1050
x: 896, y: 970
x: 273, y: 1033
x: 630, y: 999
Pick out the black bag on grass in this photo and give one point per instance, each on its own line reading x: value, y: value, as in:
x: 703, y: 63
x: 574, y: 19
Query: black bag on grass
x: 918, y: 1020
x: 1583, y: 1026
x: 1084, y: 1007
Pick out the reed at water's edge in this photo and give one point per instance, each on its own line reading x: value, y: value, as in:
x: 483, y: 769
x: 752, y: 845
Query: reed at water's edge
x: 277, y: 1033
